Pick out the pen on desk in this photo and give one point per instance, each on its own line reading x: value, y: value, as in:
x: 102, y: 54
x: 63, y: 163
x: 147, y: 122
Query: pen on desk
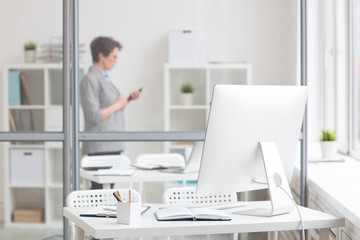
x: 114, y: 193
x: 107, y: 215
x: 129, y: 195
x: 119, y: 196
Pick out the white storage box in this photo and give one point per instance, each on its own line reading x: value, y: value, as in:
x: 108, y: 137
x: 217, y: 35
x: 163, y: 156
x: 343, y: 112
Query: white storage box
x: 187, y: 46
x: 26, y: 167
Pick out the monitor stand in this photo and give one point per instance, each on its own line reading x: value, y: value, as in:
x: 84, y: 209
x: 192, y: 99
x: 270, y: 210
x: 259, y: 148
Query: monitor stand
x: 280, y: 202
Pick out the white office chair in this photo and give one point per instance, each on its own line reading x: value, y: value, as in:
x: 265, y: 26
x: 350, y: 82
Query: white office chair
x: 118, y: 161
x: 186, y: 196
x: 93, y: 198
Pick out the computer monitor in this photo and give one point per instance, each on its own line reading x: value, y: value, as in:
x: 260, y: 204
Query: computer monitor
x: 250, y: 128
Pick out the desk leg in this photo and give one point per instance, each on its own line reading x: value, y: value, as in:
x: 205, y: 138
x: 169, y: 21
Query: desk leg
x: 79, y: 233
x: 272, y: 235
x: 324, y: 234
x: 141, y: 189
x: 86, y: 184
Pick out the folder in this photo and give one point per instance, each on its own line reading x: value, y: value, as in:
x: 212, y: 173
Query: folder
x: 14, y: 89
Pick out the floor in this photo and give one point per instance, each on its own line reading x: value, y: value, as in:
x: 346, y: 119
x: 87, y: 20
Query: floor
x: 30, y: 234
x: 45, y: 234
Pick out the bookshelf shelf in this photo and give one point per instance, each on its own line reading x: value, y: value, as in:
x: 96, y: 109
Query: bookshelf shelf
x: 26, y: 107
x: 43, y: 84
x: 182, y: 107
x: 193, y: 116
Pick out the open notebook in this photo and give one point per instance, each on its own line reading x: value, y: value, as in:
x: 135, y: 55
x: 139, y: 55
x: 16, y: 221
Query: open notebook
x: 193, y: 164
x: 183, y: 213
x: 159, y: 161
x: 114, y: 172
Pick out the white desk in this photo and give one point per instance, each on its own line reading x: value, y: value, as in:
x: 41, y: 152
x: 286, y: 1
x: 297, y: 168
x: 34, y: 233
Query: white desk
x: 139, y: 176
x: 150, y: 227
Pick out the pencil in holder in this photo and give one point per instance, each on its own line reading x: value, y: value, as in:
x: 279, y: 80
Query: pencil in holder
x: 128, y: 212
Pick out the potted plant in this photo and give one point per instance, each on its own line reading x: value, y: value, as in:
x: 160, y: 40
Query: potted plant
x: 187, y: 93
x: 30, y: 52
x: 328, y: 143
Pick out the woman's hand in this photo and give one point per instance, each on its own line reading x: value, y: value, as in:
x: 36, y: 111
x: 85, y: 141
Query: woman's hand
x: 134, y: 95
x: 120, y: 103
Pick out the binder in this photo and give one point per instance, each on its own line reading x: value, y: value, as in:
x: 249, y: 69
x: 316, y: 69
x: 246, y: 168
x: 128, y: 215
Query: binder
x: 14, y: 88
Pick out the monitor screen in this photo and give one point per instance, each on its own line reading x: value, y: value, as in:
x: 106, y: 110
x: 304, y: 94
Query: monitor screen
x: 240, y: 117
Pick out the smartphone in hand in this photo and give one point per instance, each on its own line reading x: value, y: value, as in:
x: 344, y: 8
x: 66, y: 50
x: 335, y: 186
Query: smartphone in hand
x: 130, y: 98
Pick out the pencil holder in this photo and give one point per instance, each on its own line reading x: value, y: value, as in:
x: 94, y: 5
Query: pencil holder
x: 128, y: 213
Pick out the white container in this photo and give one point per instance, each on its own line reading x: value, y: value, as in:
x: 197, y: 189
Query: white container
x: 30, y: 56
x: 187, y: 46
x: 328, y: 149
x: 128, y: 213
x: 187, y: 98
x: 26, y: 167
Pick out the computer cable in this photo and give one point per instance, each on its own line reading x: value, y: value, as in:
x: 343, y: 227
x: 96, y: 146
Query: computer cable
x: 297, y: 208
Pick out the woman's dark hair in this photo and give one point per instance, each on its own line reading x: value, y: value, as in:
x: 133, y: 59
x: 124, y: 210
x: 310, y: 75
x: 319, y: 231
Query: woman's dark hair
x: 103, y: 45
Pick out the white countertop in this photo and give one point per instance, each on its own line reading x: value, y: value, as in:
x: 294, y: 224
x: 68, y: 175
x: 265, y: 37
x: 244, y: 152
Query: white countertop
x: 339, y: 184
x: 149, y: 226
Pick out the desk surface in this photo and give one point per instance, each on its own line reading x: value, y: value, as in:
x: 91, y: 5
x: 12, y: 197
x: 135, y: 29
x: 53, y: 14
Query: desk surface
x: 149, y: 226
x: 140, y: 176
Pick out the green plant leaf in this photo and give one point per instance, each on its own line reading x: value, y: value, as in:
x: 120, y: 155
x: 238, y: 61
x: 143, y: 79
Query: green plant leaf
x: 29, y: 46
x: 187, y: 88
x: 328, y: 135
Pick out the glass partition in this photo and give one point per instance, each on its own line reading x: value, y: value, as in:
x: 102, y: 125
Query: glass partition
x: 33, y: 186
x: 31, y: 66
x: 176, y: 43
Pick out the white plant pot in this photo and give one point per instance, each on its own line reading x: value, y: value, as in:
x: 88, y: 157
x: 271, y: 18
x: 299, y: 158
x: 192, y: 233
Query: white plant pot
x: 30, y: 56
x: 187, y: 98
x: 328, y: 149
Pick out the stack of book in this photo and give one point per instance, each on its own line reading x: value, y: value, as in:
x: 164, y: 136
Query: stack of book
x: 19, y: 120
x: 51, y: 52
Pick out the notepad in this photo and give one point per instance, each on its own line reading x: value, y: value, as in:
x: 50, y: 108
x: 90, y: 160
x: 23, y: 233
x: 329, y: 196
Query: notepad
x: 183, y: 213
x: 150, y: 166
x: 114, y: 172
x: 107, y: 211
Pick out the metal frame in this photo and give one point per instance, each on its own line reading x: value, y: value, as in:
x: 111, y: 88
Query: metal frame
x: 354, y: 84
x: 67, y: 183
x: 303, y: 69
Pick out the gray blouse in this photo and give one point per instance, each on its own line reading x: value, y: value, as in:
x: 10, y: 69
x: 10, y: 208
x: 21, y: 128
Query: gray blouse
x: 97, y: 93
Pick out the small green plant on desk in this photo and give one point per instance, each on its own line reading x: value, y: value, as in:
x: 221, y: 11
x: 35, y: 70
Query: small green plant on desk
x: 328, y: 144
x: 328, y: 135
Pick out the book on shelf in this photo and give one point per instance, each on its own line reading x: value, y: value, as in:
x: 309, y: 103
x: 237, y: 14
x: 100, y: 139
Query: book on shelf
x: 14, y: 88
x: 24, y: 90
x: 12, y: 122
x: 172, y: 213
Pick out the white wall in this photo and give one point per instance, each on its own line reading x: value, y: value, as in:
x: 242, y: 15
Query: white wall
x: 315, y: 104
x: 261, y: 32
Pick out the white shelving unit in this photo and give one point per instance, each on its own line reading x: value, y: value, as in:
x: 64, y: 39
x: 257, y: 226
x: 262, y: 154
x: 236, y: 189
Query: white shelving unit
x: 45, y: 86
x: 180, y: 117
